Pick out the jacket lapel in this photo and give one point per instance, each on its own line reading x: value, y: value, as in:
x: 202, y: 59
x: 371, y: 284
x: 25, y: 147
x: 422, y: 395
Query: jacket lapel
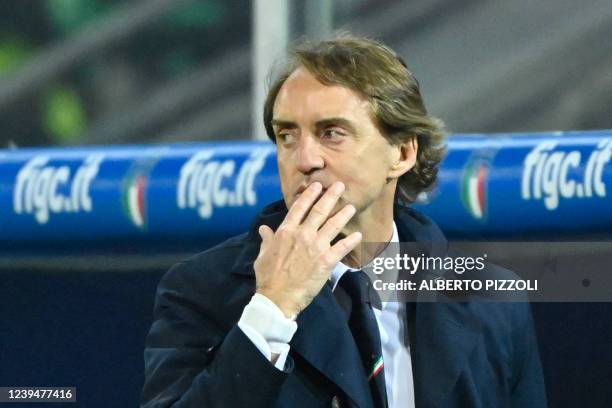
x: 325, y: 341
x: 445, y: 335
x: 443, y: 332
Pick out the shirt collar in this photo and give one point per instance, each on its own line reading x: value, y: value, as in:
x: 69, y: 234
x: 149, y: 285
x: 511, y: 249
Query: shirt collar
x: 341, y: 268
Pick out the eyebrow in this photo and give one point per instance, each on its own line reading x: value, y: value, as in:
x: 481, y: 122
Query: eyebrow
x: 285, y: 124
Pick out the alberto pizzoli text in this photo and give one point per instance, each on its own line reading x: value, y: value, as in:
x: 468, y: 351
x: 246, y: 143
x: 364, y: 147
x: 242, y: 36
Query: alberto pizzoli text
x: 458, y: 285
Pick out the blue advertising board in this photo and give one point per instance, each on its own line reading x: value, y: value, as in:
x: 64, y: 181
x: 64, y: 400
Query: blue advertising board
x: 548, y: 184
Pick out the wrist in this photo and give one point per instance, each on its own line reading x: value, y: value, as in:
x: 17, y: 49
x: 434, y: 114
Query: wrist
x: 288, y: 307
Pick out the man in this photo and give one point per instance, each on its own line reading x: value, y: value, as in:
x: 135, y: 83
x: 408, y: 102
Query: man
x: 259, y: 320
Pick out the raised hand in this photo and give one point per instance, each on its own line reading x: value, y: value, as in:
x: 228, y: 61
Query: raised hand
x: 295, y: 261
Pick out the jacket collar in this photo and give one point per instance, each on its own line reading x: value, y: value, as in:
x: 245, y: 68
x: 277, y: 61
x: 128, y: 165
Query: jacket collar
x: 445, y: 332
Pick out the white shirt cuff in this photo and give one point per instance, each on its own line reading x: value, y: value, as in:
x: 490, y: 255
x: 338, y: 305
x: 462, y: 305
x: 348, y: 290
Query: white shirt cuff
x: 268, y: 328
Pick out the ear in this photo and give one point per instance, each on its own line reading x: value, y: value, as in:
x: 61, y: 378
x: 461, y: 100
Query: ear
x: 404, y: 157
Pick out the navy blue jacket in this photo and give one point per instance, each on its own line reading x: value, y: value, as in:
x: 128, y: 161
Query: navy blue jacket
x: 464, y: 354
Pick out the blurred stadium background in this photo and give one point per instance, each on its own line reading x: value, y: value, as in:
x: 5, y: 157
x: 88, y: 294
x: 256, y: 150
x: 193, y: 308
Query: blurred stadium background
x: 100, y: 72
x: 109, y: 72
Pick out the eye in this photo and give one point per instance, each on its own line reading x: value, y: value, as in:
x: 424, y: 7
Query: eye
x: 333, y: 134
x: 285, y: 138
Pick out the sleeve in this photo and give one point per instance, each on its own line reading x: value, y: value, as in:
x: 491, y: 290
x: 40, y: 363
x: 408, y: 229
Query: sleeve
x: 190, y: 361
x: 528, y: 386
x: 268, y: 328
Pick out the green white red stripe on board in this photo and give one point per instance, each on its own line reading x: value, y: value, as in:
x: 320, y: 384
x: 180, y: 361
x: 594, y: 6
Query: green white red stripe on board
x: 474, y: 189
x: 134, y: 199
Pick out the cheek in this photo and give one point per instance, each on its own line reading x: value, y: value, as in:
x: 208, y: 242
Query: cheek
x: 284, y: 171
x: 289, y: 182
x: 357, y: 187
x: 285, y: 185
x: 368, y: 178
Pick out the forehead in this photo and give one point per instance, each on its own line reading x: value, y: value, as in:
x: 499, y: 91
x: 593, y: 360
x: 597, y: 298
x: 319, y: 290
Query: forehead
x: 302, y: 96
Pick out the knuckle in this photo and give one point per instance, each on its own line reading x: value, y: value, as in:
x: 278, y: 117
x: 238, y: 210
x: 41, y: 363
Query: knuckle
x: 321, y: 246
x: 284, y: 231
x: 336, y: 224
x: 327, y: 260
x: 331, y: 230
x: 304, y: 235
x: 317, y: 210
x: 301, y: 204
x: 343, y: 246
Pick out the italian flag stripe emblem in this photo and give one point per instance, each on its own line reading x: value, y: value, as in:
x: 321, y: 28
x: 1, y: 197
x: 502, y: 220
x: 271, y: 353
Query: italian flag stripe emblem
x: 474, y: 190
x: 134, y: 200
x: 377, y: 368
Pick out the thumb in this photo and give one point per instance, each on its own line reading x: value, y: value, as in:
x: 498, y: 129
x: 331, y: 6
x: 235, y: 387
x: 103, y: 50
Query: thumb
x: 265, y: 233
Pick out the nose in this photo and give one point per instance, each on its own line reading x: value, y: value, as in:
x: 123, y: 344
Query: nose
x: 309, y: 156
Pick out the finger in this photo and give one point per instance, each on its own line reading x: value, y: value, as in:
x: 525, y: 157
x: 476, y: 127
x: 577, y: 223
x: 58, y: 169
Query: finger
x: 265, y: 233
x: 343, y: 247
x: 322, y: 209
x: 302, y: 205
x: 334, y: 225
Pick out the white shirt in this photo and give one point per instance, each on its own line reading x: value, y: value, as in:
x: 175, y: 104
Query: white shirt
x: 268, y: 328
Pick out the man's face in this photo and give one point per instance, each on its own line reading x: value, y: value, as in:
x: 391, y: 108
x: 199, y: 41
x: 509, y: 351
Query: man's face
x: 326, y: 134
